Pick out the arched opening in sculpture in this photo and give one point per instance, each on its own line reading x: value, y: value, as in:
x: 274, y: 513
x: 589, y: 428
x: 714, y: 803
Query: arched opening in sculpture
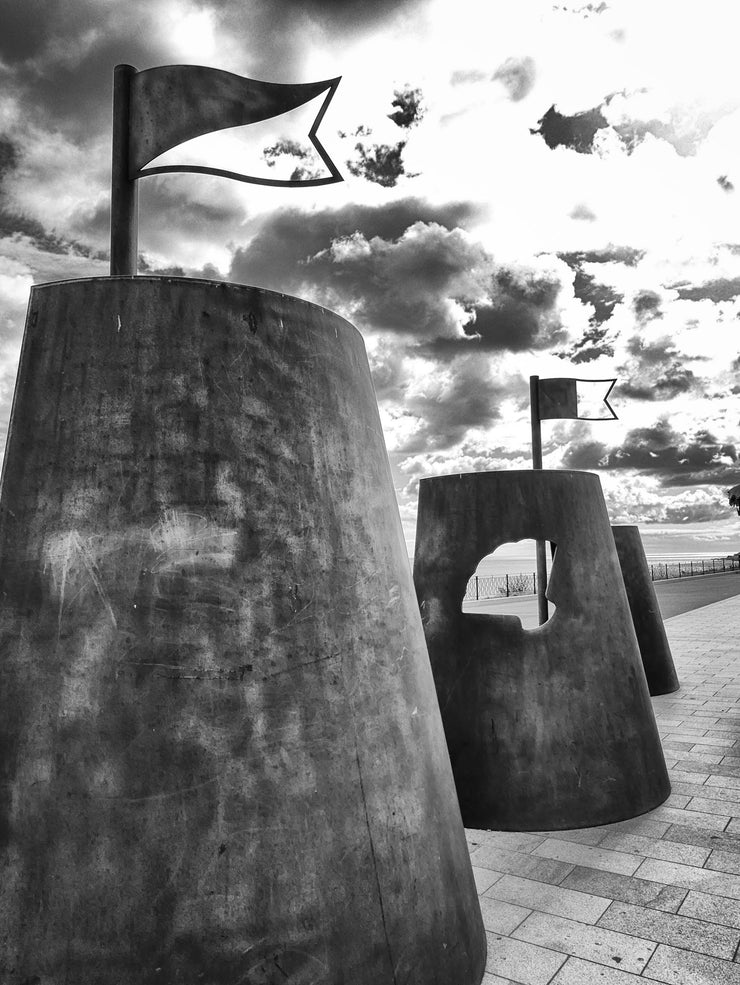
x: 504, y: 583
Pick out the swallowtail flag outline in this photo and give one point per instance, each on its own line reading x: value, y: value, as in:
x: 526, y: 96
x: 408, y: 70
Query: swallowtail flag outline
x: 158, y: 109
x: 174, y: 103
x: 560, y: 398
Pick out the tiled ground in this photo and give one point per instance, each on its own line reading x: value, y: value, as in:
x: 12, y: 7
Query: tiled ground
x: 652, y: 899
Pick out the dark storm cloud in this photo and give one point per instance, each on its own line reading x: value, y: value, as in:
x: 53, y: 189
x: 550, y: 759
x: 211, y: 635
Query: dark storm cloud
x: 650, y: 354
x: 61, y: 57
x: 719, y: 476
x: 409, y: 109
x: 536, y: 290
x: 576, y: 132
x: 655, y: 371
x: 16, y: 223
x: 438, y: 415
x: 9, y: 157
x: 671, y: 382
x: 276, y: 257
x: 602, y: 298
x: 304, y: 159
x: 585, y: 455
x: 518, y: 316
x: 30, y: 27
x: 333, y: 15
x: 381, y: 164
x: 510, y: 324
x: 403, y: 285
x: 517, y: 75
x: 386, y: 368
x: 627, y: 255
x: 591, y: 346
x: 290, y: 147
x: 444, y: 417
x: 169, y: 210
x: 660, y: 450
x: 646, y: 305
x: 406, y: 268
x: 723, y: 289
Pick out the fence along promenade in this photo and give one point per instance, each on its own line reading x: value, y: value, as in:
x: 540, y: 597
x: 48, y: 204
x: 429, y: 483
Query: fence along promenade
x: 525, y: 583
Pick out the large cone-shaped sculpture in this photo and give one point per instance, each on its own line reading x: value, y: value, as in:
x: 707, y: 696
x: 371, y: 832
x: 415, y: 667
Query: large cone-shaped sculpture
x: 221, y: 757
x: 551, y: 728
x: 647, y: 620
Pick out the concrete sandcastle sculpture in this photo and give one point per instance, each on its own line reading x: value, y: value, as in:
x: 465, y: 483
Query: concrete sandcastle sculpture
x: 657, y: 659
x: 222, y: 757
x: 550, y: 728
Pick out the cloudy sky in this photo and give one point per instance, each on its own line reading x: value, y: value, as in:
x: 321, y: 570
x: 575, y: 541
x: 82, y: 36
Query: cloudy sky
x: 530, y: 188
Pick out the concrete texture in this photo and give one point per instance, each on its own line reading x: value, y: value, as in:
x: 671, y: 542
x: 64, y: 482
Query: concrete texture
x: 652, y: 899
x: 221, y: 755
x: 550, y: 728
x: 646, y: 618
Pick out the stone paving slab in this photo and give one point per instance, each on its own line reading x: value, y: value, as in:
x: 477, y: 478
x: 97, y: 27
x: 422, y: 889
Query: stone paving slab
x: 650, y: 899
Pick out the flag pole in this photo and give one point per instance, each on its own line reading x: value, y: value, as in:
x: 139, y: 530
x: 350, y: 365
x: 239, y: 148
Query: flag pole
x: 534, y: 405
x: 124, y: 203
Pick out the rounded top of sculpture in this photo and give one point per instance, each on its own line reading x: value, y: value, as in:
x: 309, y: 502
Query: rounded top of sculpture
x: 197, y: 287
x: 510, y: 475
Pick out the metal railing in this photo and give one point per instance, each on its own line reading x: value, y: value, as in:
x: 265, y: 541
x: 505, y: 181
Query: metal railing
x: 497, y: 586
x: 523, y: 583
x: 660, y: 571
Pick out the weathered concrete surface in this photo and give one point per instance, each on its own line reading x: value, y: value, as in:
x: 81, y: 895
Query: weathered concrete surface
x: 657, y: 659
x: 549, y: 728
x: 221, y: 755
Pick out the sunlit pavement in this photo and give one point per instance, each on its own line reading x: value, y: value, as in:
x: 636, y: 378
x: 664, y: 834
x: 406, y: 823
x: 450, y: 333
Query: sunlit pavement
x: 654, y: 898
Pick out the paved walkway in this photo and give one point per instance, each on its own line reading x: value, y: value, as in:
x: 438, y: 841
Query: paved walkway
x: 652, y: 899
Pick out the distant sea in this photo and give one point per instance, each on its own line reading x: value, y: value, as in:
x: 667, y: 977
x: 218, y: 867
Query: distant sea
x: 515, y: 560
x: 662, y: 542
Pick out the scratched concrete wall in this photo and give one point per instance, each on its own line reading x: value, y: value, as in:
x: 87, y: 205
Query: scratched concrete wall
x: 221, y: 755
x: 552, y: 727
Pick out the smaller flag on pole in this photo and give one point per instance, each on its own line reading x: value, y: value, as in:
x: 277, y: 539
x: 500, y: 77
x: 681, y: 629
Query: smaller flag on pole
x: 562, y: 397
x: 582, y: 400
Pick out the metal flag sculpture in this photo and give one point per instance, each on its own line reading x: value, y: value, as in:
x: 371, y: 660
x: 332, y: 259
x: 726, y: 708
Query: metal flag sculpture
x: 160, y: 108
x: 562, y: 398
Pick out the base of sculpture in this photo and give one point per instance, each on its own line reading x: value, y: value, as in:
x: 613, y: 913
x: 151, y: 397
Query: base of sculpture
x: 221, y: 756
x: 551, y: 728
x: 657, y: 659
